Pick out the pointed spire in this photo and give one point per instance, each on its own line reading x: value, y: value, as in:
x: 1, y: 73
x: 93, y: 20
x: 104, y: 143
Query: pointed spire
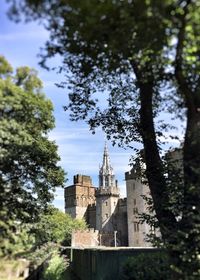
x: 106, y: 167
x: 105, y: 148
x: 106, y: 174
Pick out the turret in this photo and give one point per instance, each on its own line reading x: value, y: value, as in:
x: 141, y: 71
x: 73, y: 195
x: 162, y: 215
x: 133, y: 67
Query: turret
x: 106, y: 174
x: 107, y: 194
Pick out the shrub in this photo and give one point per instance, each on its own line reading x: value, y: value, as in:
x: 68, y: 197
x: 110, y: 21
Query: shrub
x: 153, y: 266
x: 56, y: 268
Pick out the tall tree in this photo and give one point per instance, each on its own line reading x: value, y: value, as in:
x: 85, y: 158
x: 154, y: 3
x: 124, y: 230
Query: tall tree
x: 56, y: 226
x: 144, y: 56
x: 29, y: 173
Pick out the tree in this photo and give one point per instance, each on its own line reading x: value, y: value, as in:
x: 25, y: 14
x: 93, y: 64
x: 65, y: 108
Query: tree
x: 144, y: 55
x: 56, y: 226
x: 29, y: 173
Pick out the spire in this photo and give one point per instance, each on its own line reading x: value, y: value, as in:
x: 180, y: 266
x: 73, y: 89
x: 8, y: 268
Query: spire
x: 106, y: 167
x: 106, y: 174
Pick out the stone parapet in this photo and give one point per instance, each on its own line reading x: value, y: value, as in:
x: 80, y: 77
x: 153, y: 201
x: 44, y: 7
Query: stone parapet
x: 85, y: 238
x: 83, y: 180
x: 122, y: 202
x: 130, y: 175
x: 113, y: 191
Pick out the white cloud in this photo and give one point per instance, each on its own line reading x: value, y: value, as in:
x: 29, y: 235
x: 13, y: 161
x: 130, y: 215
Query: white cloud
x: 65, y: 133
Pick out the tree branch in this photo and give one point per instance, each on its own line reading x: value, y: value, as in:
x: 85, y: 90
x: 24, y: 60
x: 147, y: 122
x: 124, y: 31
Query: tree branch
x: 181, y: 79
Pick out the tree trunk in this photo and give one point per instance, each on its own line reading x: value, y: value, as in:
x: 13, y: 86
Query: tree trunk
x: 154, y: 166
x: 192, y: 159
x: 190, y: 224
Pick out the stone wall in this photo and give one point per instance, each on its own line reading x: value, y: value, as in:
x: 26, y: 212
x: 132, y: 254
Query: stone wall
x: 91, y: 215
x: 136, y: 205
x: 108, y: 239
x: 121, y: 222
x: 103, y: 263
x: 85, y: 238
x: 94, y: 238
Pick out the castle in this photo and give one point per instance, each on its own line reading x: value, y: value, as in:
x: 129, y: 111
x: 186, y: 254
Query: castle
x: 114, y: 220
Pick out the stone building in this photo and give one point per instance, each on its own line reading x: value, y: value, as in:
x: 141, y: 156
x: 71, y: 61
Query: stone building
x: 79, y: 196
x: 107, y: 196
x: 115, y: 218
x: 136, y: 189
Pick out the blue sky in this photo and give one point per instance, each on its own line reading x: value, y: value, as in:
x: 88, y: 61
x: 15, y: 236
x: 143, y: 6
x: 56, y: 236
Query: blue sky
x: 80, y: 151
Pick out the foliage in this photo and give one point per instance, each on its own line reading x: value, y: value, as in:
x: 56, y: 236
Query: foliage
x: 18, y: 241
x: 5, y: 67
x: 55, y: 226
x: 13, y: 268
x: 38, y: 255
x: 173, y: 166
x: 148, y: 266
x: 56, y: 268
x: 125, y: 62
x: 29, y: 173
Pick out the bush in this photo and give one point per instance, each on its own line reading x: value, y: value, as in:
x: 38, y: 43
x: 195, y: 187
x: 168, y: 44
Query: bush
x: 148, y: 266
x: 40, y: 255
x: 56, y: 268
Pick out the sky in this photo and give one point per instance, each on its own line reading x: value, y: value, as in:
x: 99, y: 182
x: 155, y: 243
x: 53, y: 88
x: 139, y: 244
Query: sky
x: 81, y: 152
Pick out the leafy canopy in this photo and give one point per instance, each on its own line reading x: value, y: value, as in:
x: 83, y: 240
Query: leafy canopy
x: 109, y: 48
x: 56, y: 226
x: 29, y: 171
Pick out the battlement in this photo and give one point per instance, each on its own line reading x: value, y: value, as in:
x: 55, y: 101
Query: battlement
x: 92, y: 206
x: 83, y: 180
x: 113, y: 191
x: 88, y: 230
x: 132, y: 174
x: 81, y: 194
x: 122, y: 201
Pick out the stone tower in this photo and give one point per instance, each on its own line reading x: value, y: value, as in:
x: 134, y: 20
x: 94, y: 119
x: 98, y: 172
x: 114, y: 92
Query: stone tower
x: 79, y: 196
x: 107, y: 195
x: 136, y: 205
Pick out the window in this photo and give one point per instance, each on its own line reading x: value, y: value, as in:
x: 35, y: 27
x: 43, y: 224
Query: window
x: 106, y: 216
x: 106, y: 203
x: 134, y: 201
x: 114, y: 203
x: 152, y: 229
x: 136, y: 227
x: 135, y: 210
